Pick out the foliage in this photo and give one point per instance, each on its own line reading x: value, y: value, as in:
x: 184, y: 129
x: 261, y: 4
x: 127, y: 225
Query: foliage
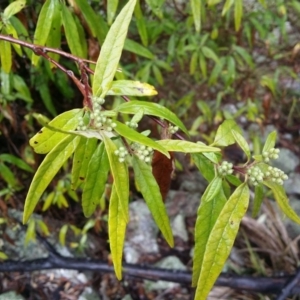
x: 102, y: 140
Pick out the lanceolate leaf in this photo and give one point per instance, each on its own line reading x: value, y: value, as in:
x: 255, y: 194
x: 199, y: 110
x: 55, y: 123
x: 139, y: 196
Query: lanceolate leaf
x: 238, y: 13
x: 270, y: 142
x: 205, y: 166
x: 120, y: 174
x: 116, y: 231
x: 221, y: 239
x: 207, y: 215
x: 5, y: 56
x: 196, y: 10
x: 224, y: 136
x: 15, y: 161
x: 43, y: 26
x: 81, y: 160
x: 185, y: 146
x: 46, y: 139
x: 140, y: 23
x: 242, y: 143
x: 282, y: 200
x: 151, y: 109
x: 96, y: 177
x: 111, y: 51
x: 47, y: 170
x: 151, y: 193
x: 258, y: 198
x: 212, y: 190
x: 134, y: 136
x: 131, y: 88
x: 112, y: 6
x: 13, y: 8
x: 74, y: 42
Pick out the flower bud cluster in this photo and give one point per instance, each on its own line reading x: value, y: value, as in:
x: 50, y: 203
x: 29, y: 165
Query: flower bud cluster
x: 132, y: 124
x: 225, y: 168
x: 81, y: 124
x: 121, y: 153
x: 100, y: 120
x: 173, y: 129
x: 143, y: 153
x: 271, y: 154
x: 276, y: 175
x: 255, y: 175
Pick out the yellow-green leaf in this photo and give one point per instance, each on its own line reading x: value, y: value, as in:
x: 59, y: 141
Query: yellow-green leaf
x: 185, y: 146
x: 47, y: 170
x: 257, y: 201
x: 96, y: 177
x: 43, y: 26
x: 207, y: 215
x: 196, y: 10
x: 81, y: 160
x: 112, y: 6
x: 62, y: 234
x: 224, y: 136
x: 242, y: 143
x: 13, y: 8
x: 111, y: 51
x: 221, y: 239
x: 10, y: 30
x: 227, y: 6
x: 131, y: 88
x: 151, y: 193
x: 120, y: 174
x: 116, y: 231
x: 5, y: 56
x: 46, y: 139
x: 238, y: 13
x: 72, y: 35
x: 270, y: 142
x: 282, y: 200
x: 212, y: 189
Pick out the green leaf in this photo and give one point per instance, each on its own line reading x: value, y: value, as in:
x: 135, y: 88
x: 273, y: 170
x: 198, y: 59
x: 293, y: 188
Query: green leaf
x: 151, y: 193
x: 185, y: 146
x: 96, y: 177
x: 224, y: 135
x: 21, y: 86
x: 54, y: 38
x: 216, y: 72
x: 212, y: 190
x: 111, y: 51
x: 131, y: 88
x: 7, y: 175
x: 244, y: 55
x: 213, y: 2
x: 152, y: 109
x: 111, y: 8
x: 282, y: 200
x: 138, y: 49
x: 120, y: 174
x: 13, y: 9
x: 135, y: 136
x: 72, y: 35
x: 155, y: 6
x: 15, y: 161
x: 205, y: 166
x: 10, y: 30
x: 46, y: 139
x: 30, y: 232
x: 193, y: 63
x: 196, y: 11
x: 82, y: 156
x: 47, y: 170
x: 238, y: 13
x: 209, y: 53
x: 227, y: 6
x: 207, y: 216
x: 221, y: 239
x: 242, y: 143
x: 158, y: 75
x: 43, y: 26
x: 270, y: 142
x: 258, y: 199
x: 62, y: 234
x: 5, y: 56
x: 116, y: 230
x: 140, y: 24
x: 203, y: 65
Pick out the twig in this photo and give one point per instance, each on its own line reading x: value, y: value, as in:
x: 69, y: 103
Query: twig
x: 289, y: 286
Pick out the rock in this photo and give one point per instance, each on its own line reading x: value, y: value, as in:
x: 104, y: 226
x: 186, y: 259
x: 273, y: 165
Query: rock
x: 292, y: 184
x: 170, y: 262
x: 179, y: 228
x: 287, y: 161
x: 141, y: 236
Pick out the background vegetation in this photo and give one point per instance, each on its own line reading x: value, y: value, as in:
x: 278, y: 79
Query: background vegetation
x: 239, y: 60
